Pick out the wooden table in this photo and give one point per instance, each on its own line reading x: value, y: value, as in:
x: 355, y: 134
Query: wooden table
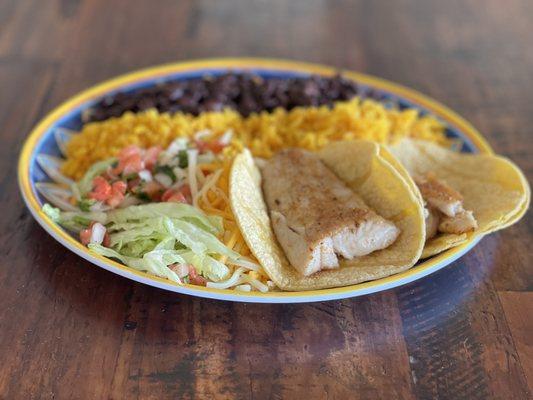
x: 69, y: 330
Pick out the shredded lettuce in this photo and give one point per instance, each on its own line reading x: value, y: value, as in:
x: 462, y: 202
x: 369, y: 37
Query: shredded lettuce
x: 155, y: 262
x: 181, y: 211
x: 154, y: 236
x: 74, y: 220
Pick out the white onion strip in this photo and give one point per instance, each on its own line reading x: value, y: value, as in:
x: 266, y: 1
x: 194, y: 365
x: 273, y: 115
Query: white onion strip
x: 192, y: 155
x: 232, y: 281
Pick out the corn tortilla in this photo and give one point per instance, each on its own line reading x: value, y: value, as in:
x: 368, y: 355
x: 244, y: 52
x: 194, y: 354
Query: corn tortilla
x: 361, y: 166
x: 493, y: 187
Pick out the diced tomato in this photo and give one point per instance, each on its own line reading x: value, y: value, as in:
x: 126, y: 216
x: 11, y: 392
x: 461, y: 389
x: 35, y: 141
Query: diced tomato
x: 167, y: 194
x: 132, y: 184
x: 118, y: 190
x: 131, y: 165
x: 129, y: 151
x: 101, y: 189
x: 216, y: 146
x: 185, y: 190
x: 177, y: 198
x: 201, y: 145
x: 181, y: 195
x: 107, y: 240
x: 195, y: 278
x: 150, y: 157
x: 153, y: 189
x: 85, y: 236
x: 129, y: 161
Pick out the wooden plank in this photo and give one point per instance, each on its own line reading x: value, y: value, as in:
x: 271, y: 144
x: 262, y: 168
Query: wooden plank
x: 458, y: 341
x: 190, y: 348
x: 518, y: 307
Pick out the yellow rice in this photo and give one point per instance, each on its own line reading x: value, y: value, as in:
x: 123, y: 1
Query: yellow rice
x: 264, y: 133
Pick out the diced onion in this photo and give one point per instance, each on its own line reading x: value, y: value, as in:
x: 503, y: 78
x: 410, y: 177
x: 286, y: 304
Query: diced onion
x: 99, y: 206
x: 180, y: 174
x: 179, y: 144
x: 129, y: 201
x: 163, y: 179
x: 201, y: 134
x: 97, y: 233
x: 225, y: 139
x: 145, y: 175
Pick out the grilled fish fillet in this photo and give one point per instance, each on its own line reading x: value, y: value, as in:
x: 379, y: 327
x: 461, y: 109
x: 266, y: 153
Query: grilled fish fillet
x: 445, y: 207
x: 316, y: 217
x: 462, y: 222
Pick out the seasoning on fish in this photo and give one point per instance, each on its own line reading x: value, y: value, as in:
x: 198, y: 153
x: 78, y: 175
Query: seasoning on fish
x: 316, y: 217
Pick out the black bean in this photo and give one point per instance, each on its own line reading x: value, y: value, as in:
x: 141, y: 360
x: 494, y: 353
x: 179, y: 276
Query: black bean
x: 243, y: 92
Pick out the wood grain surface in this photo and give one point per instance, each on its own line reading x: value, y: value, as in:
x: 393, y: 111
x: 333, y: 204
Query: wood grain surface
x: 69, y: 330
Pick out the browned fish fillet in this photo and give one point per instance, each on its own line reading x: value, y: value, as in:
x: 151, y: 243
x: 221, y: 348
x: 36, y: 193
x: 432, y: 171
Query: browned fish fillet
x: 445, y: 207
x: 462, y: 222
x: 316, y: 217
x: 439, y: 195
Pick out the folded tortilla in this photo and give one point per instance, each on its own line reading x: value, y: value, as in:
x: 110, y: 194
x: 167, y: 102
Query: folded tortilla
x: 493, y: 187
x: 362, y: 167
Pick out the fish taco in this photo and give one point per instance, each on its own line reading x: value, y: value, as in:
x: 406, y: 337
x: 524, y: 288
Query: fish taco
x: 333, y: 218
x: 463, y: 194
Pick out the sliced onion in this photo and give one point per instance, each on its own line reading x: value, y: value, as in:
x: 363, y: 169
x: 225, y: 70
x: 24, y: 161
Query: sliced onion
x: 243, y: 288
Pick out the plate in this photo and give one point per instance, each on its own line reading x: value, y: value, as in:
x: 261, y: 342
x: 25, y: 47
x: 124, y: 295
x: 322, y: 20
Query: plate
x: 41, y: 141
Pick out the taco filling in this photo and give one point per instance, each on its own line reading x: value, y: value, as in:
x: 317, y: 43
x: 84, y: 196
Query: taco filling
x: 445, y: 212
x: 316, y: 217
x: 463, y: 194
x: 333, y: 218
